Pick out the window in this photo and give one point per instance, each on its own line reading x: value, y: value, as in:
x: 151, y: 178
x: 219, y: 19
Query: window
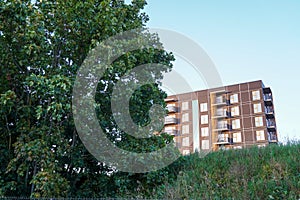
x: 186, y: 141
x: 237, y: 137
x: 255, y: 95
x: 257, y: 108
x: 185, y: 106
x: 204, y: 119
x: 203, y: 107
x: 185, y: 129
x: 235, y: 111
x: 259, y: 121
x: 260, y: 135
x: 185, y: 117
x: 205, y: 144
x: 234, y: 98
x: 236, y: 124
x: 204, y: 132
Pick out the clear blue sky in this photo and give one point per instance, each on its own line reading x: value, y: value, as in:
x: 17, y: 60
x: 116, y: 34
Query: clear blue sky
x: 247, y: 40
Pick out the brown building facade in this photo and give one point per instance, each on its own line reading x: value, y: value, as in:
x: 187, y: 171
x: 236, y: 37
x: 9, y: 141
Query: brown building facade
x: 235, y: 116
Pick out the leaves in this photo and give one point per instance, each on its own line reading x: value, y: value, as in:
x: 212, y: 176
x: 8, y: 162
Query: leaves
x: 42, y: 45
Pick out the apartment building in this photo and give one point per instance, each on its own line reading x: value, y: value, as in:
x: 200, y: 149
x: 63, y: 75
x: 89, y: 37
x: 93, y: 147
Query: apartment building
x: 234, y: 116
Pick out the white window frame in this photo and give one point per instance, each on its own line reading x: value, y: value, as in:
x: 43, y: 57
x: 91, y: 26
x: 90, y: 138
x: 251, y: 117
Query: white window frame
x: 203, y: 107
x: 185, y: 117
x: 234, y: 98
x: 235, y: 111
x: 259, y: 121
x: 186, y: 141
x: 257, y: 108
x: 260, y: 135
x: 185, y: 105
x: 205, y: 144
x: 204, y: 119
x: 204, y: 132
x: 236, y: 124
x: 256, y: 95
x: 237, y: 137
x: 185, y: 129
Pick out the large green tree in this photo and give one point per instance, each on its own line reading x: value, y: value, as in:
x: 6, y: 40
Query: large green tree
x: 43, y: 43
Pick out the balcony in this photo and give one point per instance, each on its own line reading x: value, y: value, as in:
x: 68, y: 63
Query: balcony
x: 269, y: 112
x: 224, y: 140
x: 267, y: 90
x: 171, y: 120
x: 222, y: 102
x: 172, y: 109
x: 222, y: 115
x: 172, y: 132
x: 272, y: 137
x: 268, y: 99
x: 223, y: 127
x: 271, y: 125
x: 170, y: 100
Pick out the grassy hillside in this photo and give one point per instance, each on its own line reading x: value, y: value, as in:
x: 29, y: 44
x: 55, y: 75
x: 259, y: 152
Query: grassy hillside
x: 272, y: 172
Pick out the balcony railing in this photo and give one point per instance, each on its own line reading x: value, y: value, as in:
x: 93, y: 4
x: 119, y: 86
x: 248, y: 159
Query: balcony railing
x: 172, y: 109
x: 271, y: 124
x: 269, y: 110
x: 220, y: 102
x: 272, y: 137
x: 220, y: 116
x: 222, y: 127
x: 171, y: 120
x: 224, y: 140
x: 172, y: 132
x: 268, y: 97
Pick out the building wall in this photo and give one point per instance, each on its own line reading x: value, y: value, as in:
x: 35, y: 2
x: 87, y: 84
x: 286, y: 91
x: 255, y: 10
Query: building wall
x: 207, y: 118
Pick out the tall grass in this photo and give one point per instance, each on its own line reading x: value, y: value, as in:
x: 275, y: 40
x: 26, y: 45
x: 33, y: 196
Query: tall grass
x: 272, y: 172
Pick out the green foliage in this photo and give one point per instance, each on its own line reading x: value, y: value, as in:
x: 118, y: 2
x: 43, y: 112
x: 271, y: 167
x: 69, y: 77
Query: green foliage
x: 42, y: 46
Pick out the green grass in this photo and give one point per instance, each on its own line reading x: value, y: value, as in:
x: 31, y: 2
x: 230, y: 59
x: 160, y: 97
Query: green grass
x: 272, y: 172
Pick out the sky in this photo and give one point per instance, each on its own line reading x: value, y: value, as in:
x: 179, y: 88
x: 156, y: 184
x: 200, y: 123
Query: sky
x: 247, y: 41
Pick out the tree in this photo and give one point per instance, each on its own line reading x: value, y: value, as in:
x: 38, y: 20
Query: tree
x: 42, y: 46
